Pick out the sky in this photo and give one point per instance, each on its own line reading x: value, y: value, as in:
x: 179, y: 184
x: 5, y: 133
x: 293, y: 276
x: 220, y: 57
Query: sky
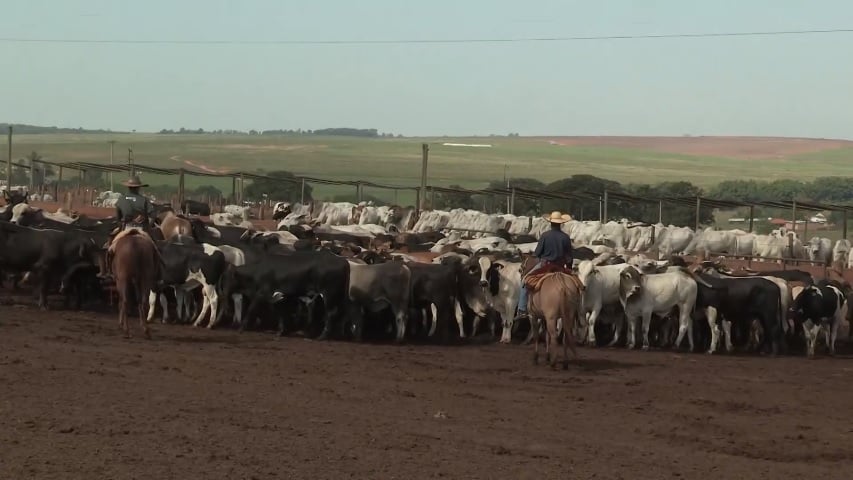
x: 773, y: 85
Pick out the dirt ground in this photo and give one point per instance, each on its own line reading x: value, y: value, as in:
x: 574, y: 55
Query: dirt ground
x: 79, y: 401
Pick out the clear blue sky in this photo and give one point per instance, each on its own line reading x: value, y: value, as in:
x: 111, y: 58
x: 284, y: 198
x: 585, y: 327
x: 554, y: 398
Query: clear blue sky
x: 782, y: 85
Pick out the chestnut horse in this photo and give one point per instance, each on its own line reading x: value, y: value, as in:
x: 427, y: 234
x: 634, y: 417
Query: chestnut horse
x: 136, y: 269
x: 554, y: 296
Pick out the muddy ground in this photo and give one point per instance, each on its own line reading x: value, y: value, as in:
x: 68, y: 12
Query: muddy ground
x: 79, y: 401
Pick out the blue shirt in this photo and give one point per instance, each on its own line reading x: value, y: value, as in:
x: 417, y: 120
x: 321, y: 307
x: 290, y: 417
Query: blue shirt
x: 554, y: 245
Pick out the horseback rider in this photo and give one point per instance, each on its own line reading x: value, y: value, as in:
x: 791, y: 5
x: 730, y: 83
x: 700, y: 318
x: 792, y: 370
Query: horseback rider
x: 134, y: 210
x: 554, y: 247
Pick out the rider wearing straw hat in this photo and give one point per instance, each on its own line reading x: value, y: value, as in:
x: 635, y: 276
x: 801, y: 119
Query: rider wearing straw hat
x: 554, y: 246
x: 133, y: 209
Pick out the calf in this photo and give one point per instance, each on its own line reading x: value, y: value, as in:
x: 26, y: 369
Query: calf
x: 822, y: 306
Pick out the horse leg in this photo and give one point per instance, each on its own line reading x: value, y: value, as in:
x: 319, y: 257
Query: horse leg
x: 123, y: 291
x: 551, y: 325
x: 534, y: 324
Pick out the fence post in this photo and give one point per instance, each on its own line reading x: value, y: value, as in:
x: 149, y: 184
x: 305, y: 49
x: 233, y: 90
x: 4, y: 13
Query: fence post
x: 357, y: 192
x: 242, y: 184
x: 56, y: 190
x: 751, y: 217
x: 660, y: 212
x: 181, y: 192
x: 604, y: 208
x: 302, y: 195
x: 512, y: 202
x: 794, y: 216
x: 698, y: 208
x: 418, y: 201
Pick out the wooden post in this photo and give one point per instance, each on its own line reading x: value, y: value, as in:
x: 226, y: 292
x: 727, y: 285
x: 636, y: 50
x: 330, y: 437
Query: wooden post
x: 844, y: 225
x: 512, y: 202
x: 58, y: 181
x: 234, y: 189
x: 581, y: 217
x: 181, y: 191
x: 9, y: 163
x: 418, y: 200
x: 424, y: 161
x: 751, y: 217
x: 794, y: 216
x: 698, y: 208
x: 358, y: 192
x: 302, y: 196
x: 604, y: 208
x: 806, y: 229
x: 80, y: 180
x: 660, y: 212
x: 242, y: 185
x: 395, y: 197
x: 432, y: 198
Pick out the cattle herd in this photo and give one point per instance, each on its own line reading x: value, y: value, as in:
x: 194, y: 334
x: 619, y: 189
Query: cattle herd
x: 347, y: 271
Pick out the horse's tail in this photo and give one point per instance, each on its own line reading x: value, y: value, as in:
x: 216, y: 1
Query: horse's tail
x: 571, y: 302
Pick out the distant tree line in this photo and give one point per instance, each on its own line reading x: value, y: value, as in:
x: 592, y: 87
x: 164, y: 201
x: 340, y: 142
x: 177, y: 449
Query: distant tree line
x: 344, y: 132
x: 35, y: 129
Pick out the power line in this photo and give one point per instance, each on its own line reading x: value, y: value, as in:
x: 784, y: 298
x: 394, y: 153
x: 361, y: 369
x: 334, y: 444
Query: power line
x: 425, y: 41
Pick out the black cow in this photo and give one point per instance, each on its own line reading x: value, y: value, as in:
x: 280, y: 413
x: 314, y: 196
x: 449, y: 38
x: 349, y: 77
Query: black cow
x: 821, y: 306
x: 192, y: 207
x: 288, y: 277
x: 739, y: 301
x: 582, y: 253
x: 14, y: 198
x: 434, y: 295
x: 48, y: 255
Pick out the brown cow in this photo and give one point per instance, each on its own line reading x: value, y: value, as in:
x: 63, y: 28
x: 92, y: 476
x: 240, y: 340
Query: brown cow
x: 554, y: 296
x: 173, y: 225
x: 136, y: 269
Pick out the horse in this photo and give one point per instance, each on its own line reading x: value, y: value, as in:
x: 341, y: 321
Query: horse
x: 136, y: 268
x: 554, y: 295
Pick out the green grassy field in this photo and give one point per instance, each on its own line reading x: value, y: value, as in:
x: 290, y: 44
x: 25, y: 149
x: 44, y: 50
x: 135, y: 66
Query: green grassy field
x: 397, y: 161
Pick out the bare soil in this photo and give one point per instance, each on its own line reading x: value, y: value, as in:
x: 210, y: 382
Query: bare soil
x: 77, y: 400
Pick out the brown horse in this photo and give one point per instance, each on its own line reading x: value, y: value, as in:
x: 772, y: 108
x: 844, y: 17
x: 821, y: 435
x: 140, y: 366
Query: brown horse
x: 136, y: 269
x: 554, y: 296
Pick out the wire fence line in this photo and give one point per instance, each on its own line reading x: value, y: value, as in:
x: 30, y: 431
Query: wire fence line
x: 510, y: 194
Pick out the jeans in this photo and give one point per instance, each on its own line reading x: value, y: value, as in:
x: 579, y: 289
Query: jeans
x: 522, y: 298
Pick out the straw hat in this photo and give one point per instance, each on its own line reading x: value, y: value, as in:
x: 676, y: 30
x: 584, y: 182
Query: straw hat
x: 557, y: 217
x: 134, y: 181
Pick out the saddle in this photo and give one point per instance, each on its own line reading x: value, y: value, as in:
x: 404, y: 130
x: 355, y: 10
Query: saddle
x: 535, y: 280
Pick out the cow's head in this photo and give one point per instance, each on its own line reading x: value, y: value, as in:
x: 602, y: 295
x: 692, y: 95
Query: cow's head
x: 630, y: 282
x: 281, y: 210
x: 490, y: 274
x: 23, y: 214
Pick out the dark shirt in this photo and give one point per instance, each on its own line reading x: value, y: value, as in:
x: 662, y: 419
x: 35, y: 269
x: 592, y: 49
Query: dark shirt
x: 554, y: 245
x: 132, y: 204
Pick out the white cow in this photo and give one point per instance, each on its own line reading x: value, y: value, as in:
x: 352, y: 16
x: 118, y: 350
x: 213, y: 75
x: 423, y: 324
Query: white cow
x: 601, y: 289
x: 841, y: 252
x: 237, y: 211
x: 819, y: 249
x: 643, y: 295
x: 503, y: 279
